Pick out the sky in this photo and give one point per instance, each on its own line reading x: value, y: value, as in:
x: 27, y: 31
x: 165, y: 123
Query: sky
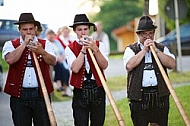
x: 55, y: 13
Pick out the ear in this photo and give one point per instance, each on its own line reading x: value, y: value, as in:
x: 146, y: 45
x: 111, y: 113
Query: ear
x: 18, y: 28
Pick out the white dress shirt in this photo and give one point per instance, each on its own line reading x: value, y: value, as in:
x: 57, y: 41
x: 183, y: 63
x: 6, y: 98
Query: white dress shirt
x: 149, y: 77
x: 30, y: 79
x: 70, y: 56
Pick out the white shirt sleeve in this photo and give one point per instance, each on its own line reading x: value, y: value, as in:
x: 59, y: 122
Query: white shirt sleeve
x: 103, y: 50
x: 70, y: 56
x: 7, y: 48
x: 128, y: 54
x: 49, y: 48
x: 167, y: 52
x: 106, y: 41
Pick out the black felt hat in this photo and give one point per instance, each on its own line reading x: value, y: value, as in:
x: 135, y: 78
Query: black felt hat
x: 27, y: 18
x: 145, y: 24
x: 81, y: 19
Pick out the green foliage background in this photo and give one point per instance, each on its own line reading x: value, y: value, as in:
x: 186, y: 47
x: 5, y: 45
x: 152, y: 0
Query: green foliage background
x: 170, y: 24
x: 116, y: 13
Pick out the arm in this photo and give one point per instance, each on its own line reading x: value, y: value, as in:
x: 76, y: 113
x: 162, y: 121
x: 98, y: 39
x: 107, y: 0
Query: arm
x: 49, y: 59
x: 14, y: 55
x: 106, y: 41
x: 75, y: 63
x: 131, y: 60
x: 78, y: 63
x: 166, y: 58
x: 47, y: 53
x: 98, y: 52
x: 135, y: 60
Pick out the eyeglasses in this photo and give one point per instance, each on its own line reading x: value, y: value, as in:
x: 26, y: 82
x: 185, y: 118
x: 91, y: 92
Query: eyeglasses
x: 144, y: 34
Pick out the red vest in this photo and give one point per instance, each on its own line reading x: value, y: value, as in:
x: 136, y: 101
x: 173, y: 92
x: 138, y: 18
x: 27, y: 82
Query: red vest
x: 16, y: 71
x: 77, y: 79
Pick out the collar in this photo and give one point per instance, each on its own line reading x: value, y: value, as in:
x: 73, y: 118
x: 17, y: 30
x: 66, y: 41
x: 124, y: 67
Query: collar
x: 140, y: 44
x: 78, y: 41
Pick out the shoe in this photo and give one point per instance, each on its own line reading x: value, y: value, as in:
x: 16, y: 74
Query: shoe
x: 60, y: 89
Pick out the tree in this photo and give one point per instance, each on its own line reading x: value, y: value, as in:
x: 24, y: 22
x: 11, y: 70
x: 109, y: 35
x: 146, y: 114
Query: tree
x: 115, y: 13
x: 170, y: 23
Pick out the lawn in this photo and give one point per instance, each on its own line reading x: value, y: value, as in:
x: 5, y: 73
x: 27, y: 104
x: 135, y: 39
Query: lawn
x: 3, y: 63
x: 174, y: 115
x: 119, y: 83
x: 175, y: 118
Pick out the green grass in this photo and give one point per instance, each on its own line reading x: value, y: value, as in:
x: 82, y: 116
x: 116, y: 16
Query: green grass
x: 118, y: 56
x: 119, y: 83
x: 57, y: 97
x: 176, y: 77
x: 175, y: 118
x: 3, y: 63
x: 116, y: 83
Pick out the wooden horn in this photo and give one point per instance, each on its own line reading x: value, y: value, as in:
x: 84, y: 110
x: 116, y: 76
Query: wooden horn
x: 45, y: 93
x: 108, y: 93
x: 171, y: 89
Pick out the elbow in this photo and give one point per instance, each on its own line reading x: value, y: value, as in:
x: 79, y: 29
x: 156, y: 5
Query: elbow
x: 104, y: 66
x: 74, y: 70
x: 10, y: 61
x: 172, y: 65
x: 128, y: 67
x: 54, y: 63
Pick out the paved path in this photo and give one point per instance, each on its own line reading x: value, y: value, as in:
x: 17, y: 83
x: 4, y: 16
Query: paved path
x: 64, y: 115
x: 62, y: 110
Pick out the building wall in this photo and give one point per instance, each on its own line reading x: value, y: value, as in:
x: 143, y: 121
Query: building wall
x: 125, y: 38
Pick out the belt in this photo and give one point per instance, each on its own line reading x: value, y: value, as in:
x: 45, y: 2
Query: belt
x: 148, y: 66
x: 150, y: 89
x: 87, y: 96
x: 29, y: 89
x: 30, y: 93
x: 89, y: 84
x: 89, y: 81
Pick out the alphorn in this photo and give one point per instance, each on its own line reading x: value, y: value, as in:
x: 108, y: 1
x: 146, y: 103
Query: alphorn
x: 45, y: 93
x: 171, y: 89
x: 108, y: 93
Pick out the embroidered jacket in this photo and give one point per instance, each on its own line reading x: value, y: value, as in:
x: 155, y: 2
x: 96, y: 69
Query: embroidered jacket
x: 16, y: 72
